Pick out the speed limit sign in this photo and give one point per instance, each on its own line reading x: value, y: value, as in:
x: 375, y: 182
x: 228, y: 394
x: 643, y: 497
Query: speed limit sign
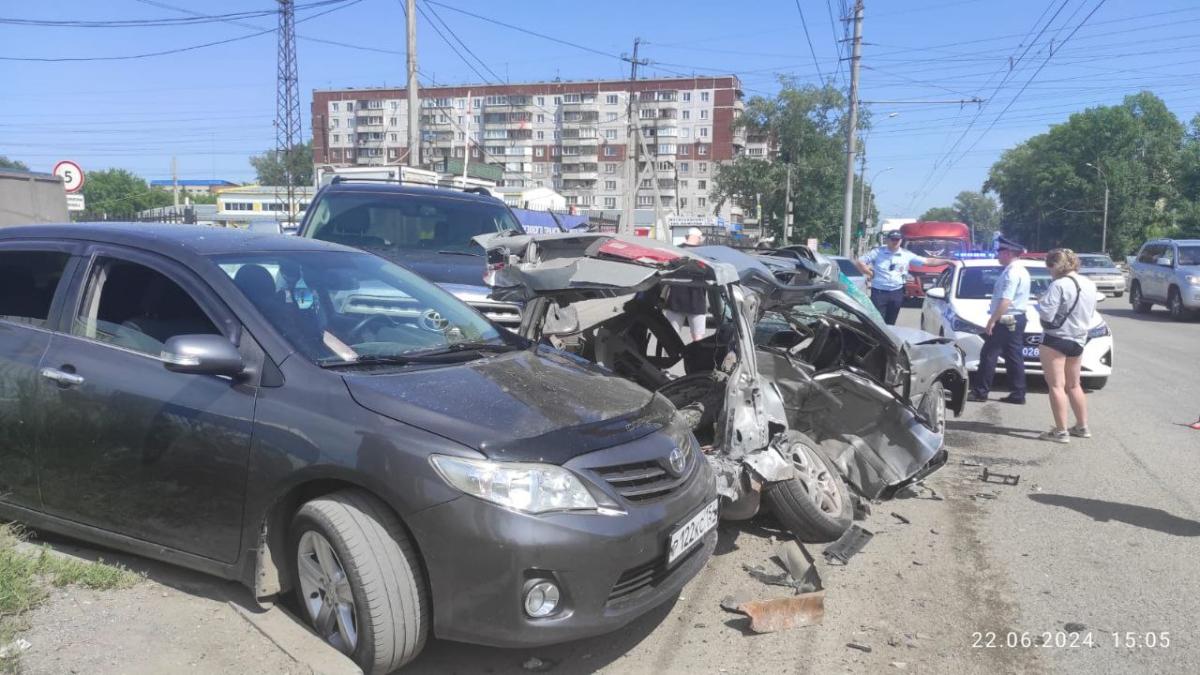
x: 71, y: 175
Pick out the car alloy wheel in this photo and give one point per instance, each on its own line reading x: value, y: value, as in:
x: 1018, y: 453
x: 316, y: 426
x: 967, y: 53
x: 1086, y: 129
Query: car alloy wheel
x: 327, y: 594
x: 822, y: 486
x: 1176, y: 306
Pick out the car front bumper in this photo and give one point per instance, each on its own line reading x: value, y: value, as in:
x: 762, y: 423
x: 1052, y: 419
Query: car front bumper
x: 1110, y: 285
x: 611, y: 569
x: 1096, y: 360
x: 1191, y: 296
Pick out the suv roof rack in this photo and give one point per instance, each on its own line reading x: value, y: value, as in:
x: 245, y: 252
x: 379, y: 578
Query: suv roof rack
x: 445, y: 185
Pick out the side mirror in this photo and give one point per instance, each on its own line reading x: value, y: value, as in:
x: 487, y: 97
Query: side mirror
x: 1163, y: 262
x: 561, y: 321
x: 936, y: 293
x: 202, y: 355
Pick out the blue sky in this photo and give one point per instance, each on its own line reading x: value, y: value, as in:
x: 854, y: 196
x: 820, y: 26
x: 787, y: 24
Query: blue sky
x: 214, y: 106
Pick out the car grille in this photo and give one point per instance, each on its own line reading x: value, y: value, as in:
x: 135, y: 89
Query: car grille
x: 649, y: 480
x: 645, y: 576
x: 504, y: 313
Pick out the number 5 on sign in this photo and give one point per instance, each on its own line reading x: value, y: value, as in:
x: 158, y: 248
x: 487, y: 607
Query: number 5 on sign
x: 71, y: 175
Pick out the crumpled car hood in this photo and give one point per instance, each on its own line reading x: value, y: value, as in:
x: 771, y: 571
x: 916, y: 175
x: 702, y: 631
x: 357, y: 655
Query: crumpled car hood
x: 536, y: 406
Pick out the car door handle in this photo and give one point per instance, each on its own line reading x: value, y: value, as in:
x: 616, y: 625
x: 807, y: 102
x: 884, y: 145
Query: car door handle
x: 64, y: 378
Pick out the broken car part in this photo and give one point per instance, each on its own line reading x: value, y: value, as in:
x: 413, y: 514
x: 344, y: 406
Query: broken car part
x: 849, y: 545
x: 769, y: 616
x: 1001, y: 478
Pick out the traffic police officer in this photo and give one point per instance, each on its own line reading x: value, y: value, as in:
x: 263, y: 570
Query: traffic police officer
x: 1005, y: 330
x: 887, y: 267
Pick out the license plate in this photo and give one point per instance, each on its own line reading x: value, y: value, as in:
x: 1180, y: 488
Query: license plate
x: 687, y: 535
x: 1031, y: 352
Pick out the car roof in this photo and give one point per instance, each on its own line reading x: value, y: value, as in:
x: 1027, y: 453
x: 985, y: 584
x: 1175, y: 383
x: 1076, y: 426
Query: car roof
x: 381, y: 187
x: 176, y: 240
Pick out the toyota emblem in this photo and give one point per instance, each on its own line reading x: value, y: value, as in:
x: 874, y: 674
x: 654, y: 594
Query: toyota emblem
x: 431, y: 320
x: 677, y: 460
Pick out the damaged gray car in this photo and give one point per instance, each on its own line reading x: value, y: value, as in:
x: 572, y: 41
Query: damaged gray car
x: 797, y: 393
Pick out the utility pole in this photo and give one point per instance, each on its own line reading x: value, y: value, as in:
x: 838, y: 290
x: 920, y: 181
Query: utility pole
x: 175, y: 182
x: 1104, y: 224
x: 287, y: 108
x: 787, y: 213
x: 414, y: 112
x: 467, y: 147
x: 862, y: 191
x: 633, y: 136
x: 852, y: 129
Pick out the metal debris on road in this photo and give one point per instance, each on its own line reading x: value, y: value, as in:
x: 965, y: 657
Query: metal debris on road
x: 970, y: 462
x: 1074, y: 627
x: 537, y: 665
x: 769, y: 616
x: 1003, y: 478
x: 861, y: 509
x: 800, y: 565
x: 901, y: 518
x: 859, y: 647
x: 848, y: 545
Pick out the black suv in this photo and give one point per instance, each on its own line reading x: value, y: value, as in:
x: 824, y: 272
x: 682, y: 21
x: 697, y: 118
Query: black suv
x: 426, y: 229
x: 298, y: 415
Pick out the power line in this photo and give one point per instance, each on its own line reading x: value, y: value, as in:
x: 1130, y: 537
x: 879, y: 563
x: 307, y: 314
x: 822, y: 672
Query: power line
x: 526, y: 30
x: 808, y: 38
x: 421, y: 8
x: 342, y: 4
x: 195, y: 19
x: 464, y: 45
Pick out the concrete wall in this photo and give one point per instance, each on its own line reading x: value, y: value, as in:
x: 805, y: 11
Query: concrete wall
x: 27, y: 198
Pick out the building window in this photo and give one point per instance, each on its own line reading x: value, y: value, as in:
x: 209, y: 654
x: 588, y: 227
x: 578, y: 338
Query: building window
x: 349, y: 106
x: 703, y: 132
x: 610, y: 151
x: 392, y: 153
x: 666, y: 148
x: 645, y: 200
x: 664, y: 166
x: 541, y: 100
x: 335, y: 106
x: 337, y: 138
x: 684, y: 166
x: 541, y: 135
x: 394, y: 105
x: 702, y: 185
x: 702, y: 150
x: 554, y: 151
x: 701, y: 202
x: 336, y: 123
x: 460, y: 103
x: 687, y: 95
x: 539, y: 152
x: 685, y: 150
x: 685, y: 133
x: 610, y: 185
x: 611, y: 99
x: 462, y: 136
x: 683, y: 200
x: 392, y: 121
x: 610, y: 168
x: 557, y: 100
x: 375, y: 104
x: 610, y: 134
x: 458, y: 152
x: 703, y: 99
x: 392, y: 137
x: 570, y: 98
x: 610, y: 202
x: 610, y: 117
x: 702, y: 167
x: 683, y: 185
x: 704, y: 114
x: 541, y: 119
x: 686, y: 114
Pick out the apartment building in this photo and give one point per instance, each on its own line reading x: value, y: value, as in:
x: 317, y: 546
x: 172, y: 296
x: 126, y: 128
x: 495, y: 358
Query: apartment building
x: 569, y: 136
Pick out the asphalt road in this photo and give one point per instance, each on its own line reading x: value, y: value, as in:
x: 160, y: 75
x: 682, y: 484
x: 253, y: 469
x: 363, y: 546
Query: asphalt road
x: 1102, y: 532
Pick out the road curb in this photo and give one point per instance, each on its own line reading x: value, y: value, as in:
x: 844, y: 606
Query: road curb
x: 286, y: 632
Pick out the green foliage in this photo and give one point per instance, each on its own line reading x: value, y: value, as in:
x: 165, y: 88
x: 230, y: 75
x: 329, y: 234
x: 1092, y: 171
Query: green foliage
x: 269, y: 166
x: 808, y: 125
x: 1052, y: 197
x: 203, y: 199
x: 6, y: 163
x: 117, y: 193
x: 940, y: 213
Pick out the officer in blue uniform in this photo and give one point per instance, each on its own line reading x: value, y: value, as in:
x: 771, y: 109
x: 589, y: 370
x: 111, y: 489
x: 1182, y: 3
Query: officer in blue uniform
x: 887, y: 268
x: 1005, y: 330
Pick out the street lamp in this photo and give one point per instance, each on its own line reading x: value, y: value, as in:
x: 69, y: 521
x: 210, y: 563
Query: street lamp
x: 1104, y: 226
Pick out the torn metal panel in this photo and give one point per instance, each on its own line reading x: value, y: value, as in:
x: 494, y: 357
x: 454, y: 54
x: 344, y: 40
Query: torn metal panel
x: 769, y: 616
x: 848, y: 545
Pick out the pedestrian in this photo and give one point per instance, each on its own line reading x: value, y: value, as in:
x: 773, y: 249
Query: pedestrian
x: 886, y: 267
x: 1067, y: 309
x: 1005, y: 330
x: 687, y: 306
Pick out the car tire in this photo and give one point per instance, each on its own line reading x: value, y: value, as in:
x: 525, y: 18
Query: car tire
x: 1140, y: 306
x: 1094, y: 383
x: 1175, y: 306
x: 933, y: 407
x: 368, y: 554
x: 1119, y: 294
x: 815, y: 504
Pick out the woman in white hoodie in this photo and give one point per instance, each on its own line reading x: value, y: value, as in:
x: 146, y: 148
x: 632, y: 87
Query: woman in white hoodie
x: 1067, y: 309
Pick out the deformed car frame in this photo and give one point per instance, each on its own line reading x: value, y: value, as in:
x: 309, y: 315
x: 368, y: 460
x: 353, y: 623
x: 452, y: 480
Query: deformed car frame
x: 797, y: 394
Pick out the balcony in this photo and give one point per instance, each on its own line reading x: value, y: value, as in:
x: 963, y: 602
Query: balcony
x: 578, y: 141
x: 577, y: 120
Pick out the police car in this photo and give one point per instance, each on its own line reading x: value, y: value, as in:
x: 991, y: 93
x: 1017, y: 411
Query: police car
x: 957, y: 306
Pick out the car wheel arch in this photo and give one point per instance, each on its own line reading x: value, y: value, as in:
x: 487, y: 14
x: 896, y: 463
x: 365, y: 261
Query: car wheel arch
x: 272, y: 567
x: 956, y: 385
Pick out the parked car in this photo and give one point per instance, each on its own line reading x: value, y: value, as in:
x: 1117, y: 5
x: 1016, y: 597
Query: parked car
x: 301, y: 416
x: 1103, y: 272
x: 797, y: 393
x: 425, y: 229
x: 957, y: 307
x: 1167, y: 272
x: 855, y: 275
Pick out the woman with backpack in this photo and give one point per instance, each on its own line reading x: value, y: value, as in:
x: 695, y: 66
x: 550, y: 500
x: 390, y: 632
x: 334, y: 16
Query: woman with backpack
x: 1067, y: 310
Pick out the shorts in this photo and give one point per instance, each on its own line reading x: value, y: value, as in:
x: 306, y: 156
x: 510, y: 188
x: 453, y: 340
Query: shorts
x: 1069, y: 348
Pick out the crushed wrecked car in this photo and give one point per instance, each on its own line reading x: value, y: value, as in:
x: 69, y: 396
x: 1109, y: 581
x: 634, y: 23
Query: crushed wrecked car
x: 797, y: 394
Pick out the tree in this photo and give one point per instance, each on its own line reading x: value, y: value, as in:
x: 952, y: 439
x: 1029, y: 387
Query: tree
x: 6, y: 163
x: 940, y: 213
x: 270, y: 166
x: 1052, y: 185
x: 807, y: 123
x: 980, y: 212
x: 117, y: 193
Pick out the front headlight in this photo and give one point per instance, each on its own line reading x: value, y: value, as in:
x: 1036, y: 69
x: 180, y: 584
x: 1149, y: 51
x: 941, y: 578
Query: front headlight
x: 532, y: 488
x: 1099, y: 331
x: 1193, y: 279
x: 963, y: 326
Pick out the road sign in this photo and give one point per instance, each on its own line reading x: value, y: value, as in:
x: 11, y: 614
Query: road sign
x: 75, y: 203
x: 71, y: 175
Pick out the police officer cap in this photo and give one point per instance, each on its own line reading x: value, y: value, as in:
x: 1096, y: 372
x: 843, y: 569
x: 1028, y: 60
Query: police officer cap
x: 1004, y: 244
x: 895, y: 234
